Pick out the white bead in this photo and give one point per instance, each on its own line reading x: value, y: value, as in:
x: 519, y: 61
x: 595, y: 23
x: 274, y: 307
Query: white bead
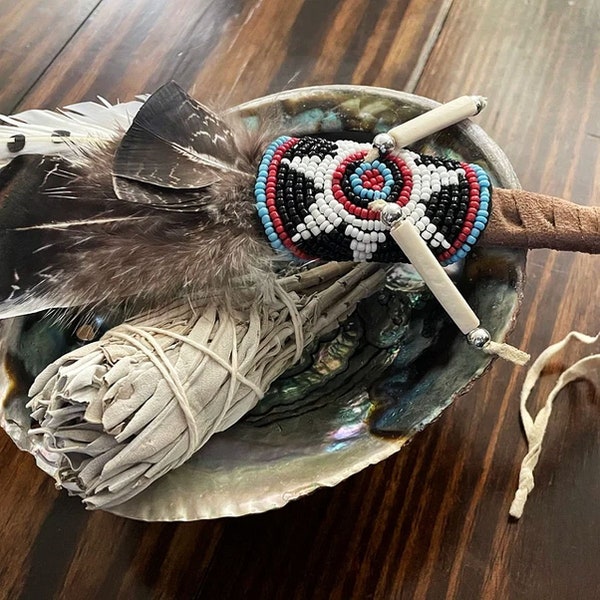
x: 320, y: 219
x: 315, y: 230
x: 337, y: 222
x: 301, y: 227
x: 431, y: 228
x: 305, y: 235
x: 381, y: 237
x: 296, y: 237
x: 329, y: 228
x: 426, y: 235
x: 360, y: 236
x: 434, y: 243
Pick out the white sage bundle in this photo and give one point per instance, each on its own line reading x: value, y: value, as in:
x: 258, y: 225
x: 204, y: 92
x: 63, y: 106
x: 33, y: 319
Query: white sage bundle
x: 117, y: 414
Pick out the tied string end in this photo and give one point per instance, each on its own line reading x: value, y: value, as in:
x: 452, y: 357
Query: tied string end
x: 507, y: 352
x: 535, y: 427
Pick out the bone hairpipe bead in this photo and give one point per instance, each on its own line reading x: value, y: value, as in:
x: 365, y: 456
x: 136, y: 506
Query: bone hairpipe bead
x: 429, y: 122
x: 428, y: 267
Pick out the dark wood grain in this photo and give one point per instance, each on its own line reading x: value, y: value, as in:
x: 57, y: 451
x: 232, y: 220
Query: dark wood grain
x: 432, y: 521
x: 32, y: 33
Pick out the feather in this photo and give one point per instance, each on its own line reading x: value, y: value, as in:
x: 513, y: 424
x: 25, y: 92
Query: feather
x: 175, y: 142
x: 65, y: 133
x: 73, y: 234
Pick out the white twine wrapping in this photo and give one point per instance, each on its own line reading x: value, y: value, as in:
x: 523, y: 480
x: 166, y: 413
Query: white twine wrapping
x: 535, y: 428
x: 119, y: 413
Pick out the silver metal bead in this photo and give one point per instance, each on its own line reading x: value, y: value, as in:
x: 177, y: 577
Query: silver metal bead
x: 478, y: 337
x: 384, y: 143
x: 390, y: 214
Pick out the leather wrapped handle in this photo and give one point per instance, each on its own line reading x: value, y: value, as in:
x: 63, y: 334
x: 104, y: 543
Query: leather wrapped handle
x: 523, y: 219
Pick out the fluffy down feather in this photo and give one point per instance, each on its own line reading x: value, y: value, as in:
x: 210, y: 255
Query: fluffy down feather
x: 67, y: 238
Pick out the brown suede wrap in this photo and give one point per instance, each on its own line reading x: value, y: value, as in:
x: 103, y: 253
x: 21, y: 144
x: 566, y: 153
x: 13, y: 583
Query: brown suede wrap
x: 522, y: 219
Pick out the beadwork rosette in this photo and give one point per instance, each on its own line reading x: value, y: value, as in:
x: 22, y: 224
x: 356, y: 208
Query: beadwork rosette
x: 313, y: 197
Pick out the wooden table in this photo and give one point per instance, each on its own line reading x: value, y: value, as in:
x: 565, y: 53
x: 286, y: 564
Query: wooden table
x: 432, y: 521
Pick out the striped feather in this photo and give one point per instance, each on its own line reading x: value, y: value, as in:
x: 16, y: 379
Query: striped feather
x: 64, y: 133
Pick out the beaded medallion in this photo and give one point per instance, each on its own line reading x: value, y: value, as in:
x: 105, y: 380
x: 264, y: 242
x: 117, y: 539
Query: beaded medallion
x: 313, y: 197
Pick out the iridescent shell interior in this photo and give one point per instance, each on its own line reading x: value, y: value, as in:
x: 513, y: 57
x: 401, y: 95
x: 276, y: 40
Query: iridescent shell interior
x: 362, y: 393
